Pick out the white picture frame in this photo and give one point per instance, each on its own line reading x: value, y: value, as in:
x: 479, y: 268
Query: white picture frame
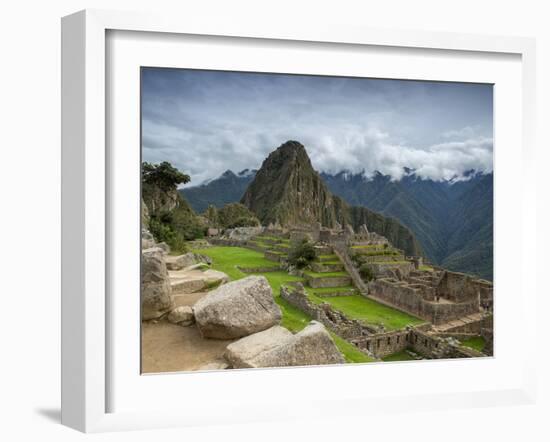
x: 87, y: 205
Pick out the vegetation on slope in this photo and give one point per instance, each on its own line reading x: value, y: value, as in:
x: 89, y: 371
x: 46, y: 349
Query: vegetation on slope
x: 171, y: 219
x: 453, y: 221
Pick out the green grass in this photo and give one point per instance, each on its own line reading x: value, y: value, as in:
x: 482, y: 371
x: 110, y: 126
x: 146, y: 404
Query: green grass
x: 226, y: 259
x: 402, y: 355
x: 388, y: 262
x: 369, y: 246
x: 426, y: 268
x: 382, y: 252
x: 368, y: 310
x: 332, y: 289
x: 475, y: 343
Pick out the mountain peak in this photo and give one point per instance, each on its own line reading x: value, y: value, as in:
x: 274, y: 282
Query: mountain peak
x: 289, y: 191
x: 228, y: 174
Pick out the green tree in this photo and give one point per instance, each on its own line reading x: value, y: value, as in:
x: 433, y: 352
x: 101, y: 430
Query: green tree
x: 163, y: 175
x: 366, y: 273
x: 302, y: 254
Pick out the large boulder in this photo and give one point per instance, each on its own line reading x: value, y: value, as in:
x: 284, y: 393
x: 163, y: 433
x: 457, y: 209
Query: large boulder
x: 156, y: 293
x: 312, y: 346
x: 196, y: 280
x: 237, y: 309
x: 147, y: 240
x: 188, y: 259
x: 242, y: 353
x: 182, y: 315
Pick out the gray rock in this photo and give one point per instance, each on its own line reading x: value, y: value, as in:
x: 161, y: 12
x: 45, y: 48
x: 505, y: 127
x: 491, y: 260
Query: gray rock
x: 216, y: 365
x: 186, y: 260
x: 156, y: 293
x: 181, y: 261
x: 192, y: 281
x: 165, y: 247
x: 147, y: 240
x: 182, y: 315
x: 237, y: 309
x: 312, y: 346
x: 242, y: 353
x: 243, y: 233
x: 200, y: 266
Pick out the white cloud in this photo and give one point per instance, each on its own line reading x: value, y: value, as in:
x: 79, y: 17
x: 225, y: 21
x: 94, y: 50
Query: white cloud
x: 208, y: 123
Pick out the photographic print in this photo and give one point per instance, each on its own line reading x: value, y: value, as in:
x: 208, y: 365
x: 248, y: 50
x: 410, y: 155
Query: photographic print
x: 303, y: 220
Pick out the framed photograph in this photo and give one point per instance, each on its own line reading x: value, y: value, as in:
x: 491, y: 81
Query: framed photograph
x: 275, y: 222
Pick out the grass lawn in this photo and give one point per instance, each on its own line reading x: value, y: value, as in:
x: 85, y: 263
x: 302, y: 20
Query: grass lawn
x: 426, y: 268
x: 475, y: 343
x: 226, y: 259
x: 368, y: 310
x: 402, y: 355
x: 343, y: 288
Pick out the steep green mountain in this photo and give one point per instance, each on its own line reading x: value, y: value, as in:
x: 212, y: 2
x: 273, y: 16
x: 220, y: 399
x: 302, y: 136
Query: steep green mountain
x: 227, y: 188
x: 453, y: 221
x: 287, y: 190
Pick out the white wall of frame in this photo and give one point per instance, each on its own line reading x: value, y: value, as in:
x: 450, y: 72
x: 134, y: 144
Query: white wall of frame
x: 30, y: 110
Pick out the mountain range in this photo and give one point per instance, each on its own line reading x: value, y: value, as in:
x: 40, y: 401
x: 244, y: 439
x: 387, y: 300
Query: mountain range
x: 451, y: 220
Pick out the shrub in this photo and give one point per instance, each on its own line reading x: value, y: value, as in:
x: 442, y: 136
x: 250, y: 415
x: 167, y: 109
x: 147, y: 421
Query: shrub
x: 244, y: 221
x: 366, y: 273
x: 302, y: 254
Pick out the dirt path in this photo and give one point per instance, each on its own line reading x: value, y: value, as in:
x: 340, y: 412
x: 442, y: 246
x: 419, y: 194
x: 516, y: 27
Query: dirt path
x: 168, y: 347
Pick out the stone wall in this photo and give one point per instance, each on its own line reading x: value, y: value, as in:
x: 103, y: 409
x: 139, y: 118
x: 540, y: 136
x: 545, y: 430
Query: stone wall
x: 459, y: 287
x: 320, y: 282
x: 434, y: 347
x: 409, y: 298
x: 487, y: 334
x: 324, y: 313
x: 345, y: 259
x: 384, y: 344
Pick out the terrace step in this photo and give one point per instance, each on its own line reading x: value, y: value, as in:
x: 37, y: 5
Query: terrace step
x: 321, y: 281
x: 281, y: 248
x: 442, y: 328
x: 274, y: 256
x: 323, y: 250
x: 327, y: 267
x: 336, y: 293
x: 325, y: 258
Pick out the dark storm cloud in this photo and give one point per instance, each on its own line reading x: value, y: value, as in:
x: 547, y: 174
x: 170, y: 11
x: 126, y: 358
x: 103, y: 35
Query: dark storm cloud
x: 205, y: 122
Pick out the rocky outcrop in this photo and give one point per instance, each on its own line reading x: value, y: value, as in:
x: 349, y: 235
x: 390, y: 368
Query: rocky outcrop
x: 147, y: 240
x: 243, y: 353
x: 288, y: 190
x: 277, y: 347
x: 156, y: 293
x: 182, y: 315
x: 192, y: 280
x: 186, y: 260
x: 237, y: 309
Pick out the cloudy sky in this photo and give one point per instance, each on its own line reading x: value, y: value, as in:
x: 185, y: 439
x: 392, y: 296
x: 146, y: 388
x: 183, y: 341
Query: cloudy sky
x: 205, y: 122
